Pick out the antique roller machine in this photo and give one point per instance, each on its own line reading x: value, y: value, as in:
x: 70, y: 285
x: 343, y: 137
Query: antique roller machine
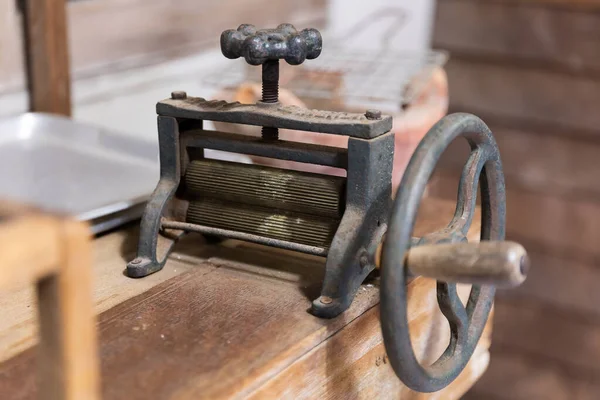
x: 353, y: 221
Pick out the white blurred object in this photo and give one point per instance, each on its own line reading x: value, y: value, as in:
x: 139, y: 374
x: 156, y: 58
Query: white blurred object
x: 399, y: 25
x: 59, y: 165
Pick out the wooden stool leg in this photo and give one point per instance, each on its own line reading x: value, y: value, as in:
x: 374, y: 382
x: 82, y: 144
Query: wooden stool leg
x: 68, y: 351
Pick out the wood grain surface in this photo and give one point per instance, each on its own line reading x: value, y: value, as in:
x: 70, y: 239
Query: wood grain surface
x: 588, y: 5
x: 540, y: 161
x: 514, y: 375
x: 235, y: 324
x: 562, y: 281
x: 529, y: 68
x: 522, y: 32
x: 573, y: 338
x: 567, y: 224
x: 48, y: 252
x: 480, y: 86
x: 68, y: 353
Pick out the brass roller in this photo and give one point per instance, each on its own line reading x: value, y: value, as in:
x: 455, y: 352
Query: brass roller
x: 267, y: 222
x: 299, y: 192
x: 281, y: 204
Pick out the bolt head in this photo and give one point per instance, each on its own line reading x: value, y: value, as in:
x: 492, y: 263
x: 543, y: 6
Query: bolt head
x: 136, y: 261
x: 364, y: 260
x: 178, y: 95
x: 326, y: 300
x: 373, y: 114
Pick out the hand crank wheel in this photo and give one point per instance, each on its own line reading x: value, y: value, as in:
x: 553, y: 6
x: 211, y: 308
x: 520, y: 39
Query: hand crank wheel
x: 466, y: 323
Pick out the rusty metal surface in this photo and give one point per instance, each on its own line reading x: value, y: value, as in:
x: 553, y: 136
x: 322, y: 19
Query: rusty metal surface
x: 466, y: 322
x: 153, y: 247
x: 289, y: 151
x: 267, y: 47
x: 270, y: 94
x: 258, y: 46
x: 368, y: 161
x: 276, y: 115
x: 368, y: 203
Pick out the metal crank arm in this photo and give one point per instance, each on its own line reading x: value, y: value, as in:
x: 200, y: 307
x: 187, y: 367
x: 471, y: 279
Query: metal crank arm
x: 445, y: 255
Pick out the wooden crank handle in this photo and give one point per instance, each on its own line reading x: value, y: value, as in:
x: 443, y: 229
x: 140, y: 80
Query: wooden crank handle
x: 502, y: 263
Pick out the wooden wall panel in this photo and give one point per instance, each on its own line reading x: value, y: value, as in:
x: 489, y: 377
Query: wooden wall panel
x: 549, y: 164
x: 554, y: 333
x: 530, y: 69
x: 568, y: 5
x: 116, y: 34
x: 562, y: 282
x: 514, y: 376
x: 158, y: 28
x: 508, y: 91
x: 570, y: 39
x: 559, y: 223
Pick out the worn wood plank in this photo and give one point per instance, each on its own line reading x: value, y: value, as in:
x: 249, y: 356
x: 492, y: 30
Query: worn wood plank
x: 537, y: 161
x: 547, y: 36
x: 151, y: 344
x: 24, y: 262
x: 19, y: 325
x: 47, y: 56
x: 67, y: 353
x: 238, y: 318
x: 505, y: 91
x: 513, y: 375
x: 560, y: 223
x: 344, y: 364
x: 50, y: 252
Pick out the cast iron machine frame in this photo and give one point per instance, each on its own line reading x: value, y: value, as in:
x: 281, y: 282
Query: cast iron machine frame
x: 368, y: 216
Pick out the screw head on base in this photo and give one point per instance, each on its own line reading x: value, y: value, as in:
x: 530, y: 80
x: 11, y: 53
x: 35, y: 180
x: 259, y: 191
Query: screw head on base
x: 373, y: 114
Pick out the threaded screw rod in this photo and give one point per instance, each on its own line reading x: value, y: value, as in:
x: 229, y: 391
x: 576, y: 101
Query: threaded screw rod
x: 270, y: 93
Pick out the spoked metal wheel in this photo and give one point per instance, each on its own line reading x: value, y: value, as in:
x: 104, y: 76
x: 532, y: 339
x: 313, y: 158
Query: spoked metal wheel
x: 483, y: 169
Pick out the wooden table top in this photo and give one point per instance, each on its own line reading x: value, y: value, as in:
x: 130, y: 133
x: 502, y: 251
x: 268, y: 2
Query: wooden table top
x: 231, y: 321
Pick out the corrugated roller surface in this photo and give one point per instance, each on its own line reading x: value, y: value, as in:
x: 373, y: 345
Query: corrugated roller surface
x: 309, y: 230
x: 287, y: 205
x: 266, y: 186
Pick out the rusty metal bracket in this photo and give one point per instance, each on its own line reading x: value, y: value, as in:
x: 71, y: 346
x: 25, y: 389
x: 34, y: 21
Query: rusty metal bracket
x: 176, y: 208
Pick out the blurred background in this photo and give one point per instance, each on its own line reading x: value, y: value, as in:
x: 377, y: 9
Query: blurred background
x: 529, y: 68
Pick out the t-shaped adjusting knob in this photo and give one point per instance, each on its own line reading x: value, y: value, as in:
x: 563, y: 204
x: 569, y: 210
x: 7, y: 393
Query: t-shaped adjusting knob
x: 267, y: 47
x: 260, y: 46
